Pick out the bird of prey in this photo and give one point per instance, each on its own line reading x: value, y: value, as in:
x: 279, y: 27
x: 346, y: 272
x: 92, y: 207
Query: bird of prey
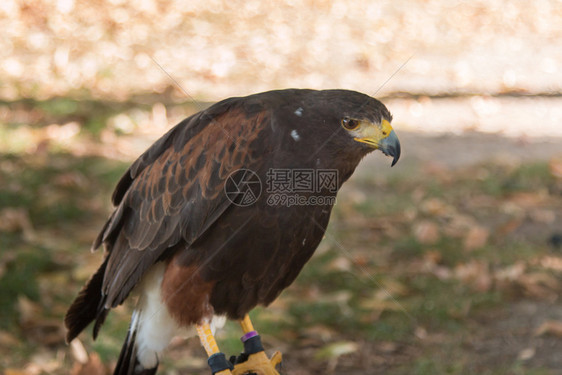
x: 221, y: 214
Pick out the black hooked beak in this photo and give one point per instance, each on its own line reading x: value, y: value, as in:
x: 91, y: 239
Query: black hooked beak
x: 390, y: 146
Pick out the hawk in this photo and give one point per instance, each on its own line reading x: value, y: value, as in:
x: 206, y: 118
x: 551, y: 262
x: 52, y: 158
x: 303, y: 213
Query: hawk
x: 221, y: 214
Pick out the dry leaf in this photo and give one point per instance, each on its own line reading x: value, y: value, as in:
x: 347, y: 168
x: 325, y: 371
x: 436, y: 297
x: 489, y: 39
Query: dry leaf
x: 381, y: 305
x: 7, y: 339
x: 476, y: 274
x: 526, y: 354
x: 441, y: 272
x: 393, y: 287
x: 36, y: 327
x: 527, y: 199
x: 16, y: 219
x: 511, y: 273
x: 339, y: 264
x: 78, y: 351
x: 476, y: 238
x: 552, y: 263
x: 421, y: 333
x: 457, y: 225
x: 387, y: 346
x: 70, y: 179
x: 94, y: 366
x: 435, y: 207
x: 509, y: 227
x: 323, y: 332
x: 543, y: 216
x: 28, y: 309
x: 433, y: 256
x: 336, y: 350
x: 550, y: 327
x: 426, y: 232
x: 540, y: 285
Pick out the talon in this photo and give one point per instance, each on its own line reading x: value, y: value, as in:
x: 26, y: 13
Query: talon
x: 254, y: 360
x: 276, y: 358
x: 258, y: 364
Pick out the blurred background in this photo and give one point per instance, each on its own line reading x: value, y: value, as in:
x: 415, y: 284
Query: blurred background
x: 448, y: 263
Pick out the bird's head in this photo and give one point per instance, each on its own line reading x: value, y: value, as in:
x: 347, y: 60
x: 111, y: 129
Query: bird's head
x: 377, y: 134
x: 356, y: 123
x: 332, y: 128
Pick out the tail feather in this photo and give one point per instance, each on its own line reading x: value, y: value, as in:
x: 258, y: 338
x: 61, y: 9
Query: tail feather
x: 139, y: 354
x: 88, y: 306
x: 128, y: 362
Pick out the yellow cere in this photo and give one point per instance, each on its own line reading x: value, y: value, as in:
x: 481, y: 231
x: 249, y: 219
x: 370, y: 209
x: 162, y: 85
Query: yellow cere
x: 372, y: 134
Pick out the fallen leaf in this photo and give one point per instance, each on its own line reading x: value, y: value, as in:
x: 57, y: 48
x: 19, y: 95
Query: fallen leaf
x: 28, y: 309
x: 387, y: 346
x: 336, y: 350
x: 323, y: 332
x: 43, y: 362
x: 7, y: 339
x: 381, y: 305
x: 421, y: 333
x: 16, y: 220
x: 511, y: 273
x: 435, y: 207
x: 550, y: 327
x: 426, y: 232
x: 527, y: 199
x: 340, y: 263
x: 78, y: 351
x: 35, y: 326
x: 540, y: 285
x: 552, y: 262
x: 433, y: 256
x: 391, y: 286
x: 94, y: 366
x: 509, y: 226
x: 476, y: 238
x: 457, y: 225
x: 526, y: 354
x: 543, y: 216
x: 476, y: 274
x: 441, y: 272
x: 70, y: 180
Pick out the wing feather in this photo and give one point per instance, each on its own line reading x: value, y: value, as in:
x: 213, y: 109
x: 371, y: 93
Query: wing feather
x: 174, y: 192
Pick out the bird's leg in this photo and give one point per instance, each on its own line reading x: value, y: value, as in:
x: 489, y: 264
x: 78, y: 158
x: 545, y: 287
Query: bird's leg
x: 246, y: 324
x: 254, y: 360
x: 217, y: 360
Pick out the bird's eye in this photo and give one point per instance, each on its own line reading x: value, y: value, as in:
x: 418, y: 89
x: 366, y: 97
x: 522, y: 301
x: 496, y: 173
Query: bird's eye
x: 349, y: 123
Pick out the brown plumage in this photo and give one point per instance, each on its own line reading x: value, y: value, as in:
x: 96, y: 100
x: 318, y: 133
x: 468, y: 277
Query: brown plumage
x: 222, y: 257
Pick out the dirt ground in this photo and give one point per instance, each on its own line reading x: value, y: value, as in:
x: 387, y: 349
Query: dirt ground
x: 506, y: 333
